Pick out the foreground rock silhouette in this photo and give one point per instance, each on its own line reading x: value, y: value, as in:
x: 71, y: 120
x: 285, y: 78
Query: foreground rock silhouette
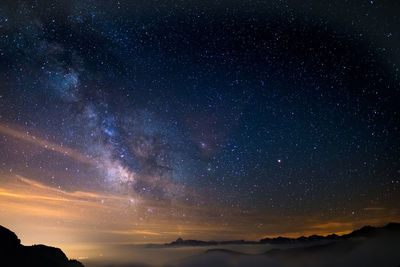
x: 13, y: 254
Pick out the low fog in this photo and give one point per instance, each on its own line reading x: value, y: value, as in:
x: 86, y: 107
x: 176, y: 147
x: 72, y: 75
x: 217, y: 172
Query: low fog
x: 382, y: 250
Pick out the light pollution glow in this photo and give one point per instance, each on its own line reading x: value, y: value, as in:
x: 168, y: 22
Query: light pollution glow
x: 88, y: 220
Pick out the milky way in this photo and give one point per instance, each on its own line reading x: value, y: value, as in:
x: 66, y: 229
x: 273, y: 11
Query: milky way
x: 241, y: 116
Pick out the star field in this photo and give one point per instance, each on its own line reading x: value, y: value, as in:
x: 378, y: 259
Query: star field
x: 227, y: 114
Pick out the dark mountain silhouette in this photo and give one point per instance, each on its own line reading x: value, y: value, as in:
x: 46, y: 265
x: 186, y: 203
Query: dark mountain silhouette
x: 375, y: 240
x: 340, y: 244
x: 14, y: 254
x: 368, y: 247
x: 364, y: 232
x: 190, y: 242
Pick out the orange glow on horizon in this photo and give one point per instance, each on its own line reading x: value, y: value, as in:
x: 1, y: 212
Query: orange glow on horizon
x: 42, y: 214
x: 90, y: 220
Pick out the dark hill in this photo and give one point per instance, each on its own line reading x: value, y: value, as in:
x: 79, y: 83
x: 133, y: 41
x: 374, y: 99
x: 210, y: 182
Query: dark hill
x: 13, y: 254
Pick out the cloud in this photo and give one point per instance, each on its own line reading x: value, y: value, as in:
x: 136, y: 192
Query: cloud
x: 26, y: 136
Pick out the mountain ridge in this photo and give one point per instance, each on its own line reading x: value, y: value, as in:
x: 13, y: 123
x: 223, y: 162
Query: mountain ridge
x: 364, y: 231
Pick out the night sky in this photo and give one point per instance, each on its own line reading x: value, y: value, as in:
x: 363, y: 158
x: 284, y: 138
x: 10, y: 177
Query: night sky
x: 142, y: 121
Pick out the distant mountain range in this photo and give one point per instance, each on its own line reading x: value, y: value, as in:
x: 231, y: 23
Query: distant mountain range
x: 366, y: 231
x: 367, y: 247
x: 13, y: 254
